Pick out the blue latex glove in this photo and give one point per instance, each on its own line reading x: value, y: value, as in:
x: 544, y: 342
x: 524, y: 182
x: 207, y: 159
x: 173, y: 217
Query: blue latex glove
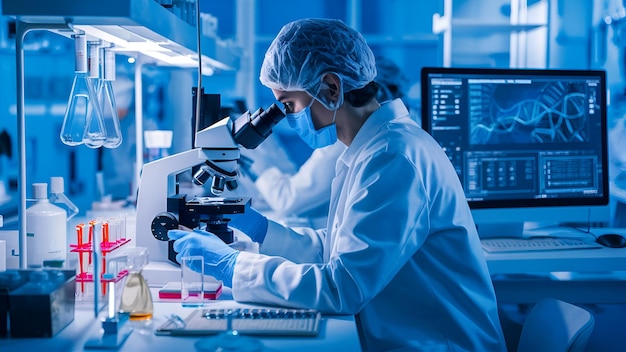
x: 252, y: 223
x: 219, y: 258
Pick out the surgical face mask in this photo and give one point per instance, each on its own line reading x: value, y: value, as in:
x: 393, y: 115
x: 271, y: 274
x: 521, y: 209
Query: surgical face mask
x: 302, y: 123
x: 328, y: 104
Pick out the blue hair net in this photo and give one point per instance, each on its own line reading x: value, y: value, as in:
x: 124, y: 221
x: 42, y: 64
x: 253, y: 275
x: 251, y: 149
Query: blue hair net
x: 306, y: 49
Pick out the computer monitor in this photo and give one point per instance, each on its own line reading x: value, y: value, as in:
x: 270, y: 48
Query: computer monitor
x: 529, y: 145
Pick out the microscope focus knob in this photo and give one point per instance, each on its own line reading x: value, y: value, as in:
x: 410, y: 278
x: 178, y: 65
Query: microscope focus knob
x: 163, y: 223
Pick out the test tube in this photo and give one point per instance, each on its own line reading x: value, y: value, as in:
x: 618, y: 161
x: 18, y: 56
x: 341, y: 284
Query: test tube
x: 79, y: 234
x: 114, y: 228
x: 119, y: 222
x: 122, y: 228
x: 105, y: 234
x: 104, y: 246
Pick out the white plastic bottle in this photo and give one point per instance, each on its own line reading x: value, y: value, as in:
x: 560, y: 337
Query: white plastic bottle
x: 46, y: 231
x: 58, y: 197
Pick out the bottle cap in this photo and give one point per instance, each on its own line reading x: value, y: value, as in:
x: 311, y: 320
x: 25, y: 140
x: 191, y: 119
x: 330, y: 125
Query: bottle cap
x: 40, y: 190
x: 56, y: 185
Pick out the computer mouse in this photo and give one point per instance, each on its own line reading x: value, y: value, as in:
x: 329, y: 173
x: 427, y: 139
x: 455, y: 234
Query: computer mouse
x: 612, y: 240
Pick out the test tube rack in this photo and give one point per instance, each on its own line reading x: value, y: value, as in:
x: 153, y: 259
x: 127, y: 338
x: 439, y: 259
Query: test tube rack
x: 85, y: 249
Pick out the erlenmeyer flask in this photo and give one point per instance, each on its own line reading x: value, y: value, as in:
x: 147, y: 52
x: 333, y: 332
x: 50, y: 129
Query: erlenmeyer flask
x: 107, y: 100
x: 76, y: 112
x: 136, y: 298
x: 75, y: 118
x: 94, y: 133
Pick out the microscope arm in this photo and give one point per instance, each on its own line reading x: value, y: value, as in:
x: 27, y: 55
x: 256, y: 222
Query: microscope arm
x: 158, y: 182
x: 219, y: 144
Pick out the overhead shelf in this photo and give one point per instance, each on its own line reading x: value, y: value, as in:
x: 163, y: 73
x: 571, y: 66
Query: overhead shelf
x: 135, y: 26
x: 472, y: 27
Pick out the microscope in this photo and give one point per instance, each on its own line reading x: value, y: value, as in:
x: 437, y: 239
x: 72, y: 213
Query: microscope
x: 161, y: 208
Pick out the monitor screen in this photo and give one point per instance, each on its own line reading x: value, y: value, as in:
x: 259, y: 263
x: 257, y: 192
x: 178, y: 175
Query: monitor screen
x: 528, y: 145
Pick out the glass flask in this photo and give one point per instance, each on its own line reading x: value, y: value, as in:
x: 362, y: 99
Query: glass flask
x: 106, y: 99
x: 76, y: 113
x: 80, y: 106
x: 94, y: 134
x: 136, y: 298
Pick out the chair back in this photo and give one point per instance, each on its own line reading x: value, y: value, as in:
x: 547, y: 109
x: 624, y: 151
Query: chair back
x: 555, y: 326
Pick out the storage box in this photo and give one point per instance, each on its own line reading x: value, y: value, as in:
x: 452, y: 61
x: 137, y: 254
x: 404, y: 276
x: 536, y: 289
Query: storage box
x: 9, y: 280
x: 44, y: 304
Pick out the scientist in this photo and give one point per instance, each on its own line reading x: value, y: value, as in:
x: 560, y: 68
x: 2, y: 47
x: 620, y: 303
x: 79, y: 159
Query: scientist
x: 305, y: 193
x: 401, y: 250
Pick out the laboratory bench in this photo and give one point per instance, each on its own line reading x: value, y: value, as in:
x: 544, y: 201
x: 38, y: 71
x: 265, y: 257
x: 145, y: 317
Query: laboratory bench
x: 588, y: 276
x: 595, y: 276
x: 336, y: 332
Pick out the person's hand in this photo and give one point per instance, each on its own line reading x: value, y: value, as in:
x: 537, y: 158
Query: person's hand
x: 252, y: 223
x: 219, y: 258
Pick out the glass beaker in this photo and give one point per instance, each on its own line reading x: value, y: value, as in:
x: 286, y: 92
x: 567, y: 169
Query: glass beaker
x: 192, y: 281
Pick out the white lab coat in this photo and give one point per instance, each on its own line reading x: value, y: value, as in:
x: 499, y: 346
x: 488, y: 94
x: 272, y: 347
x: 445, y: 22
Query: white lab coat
x: 306, y: 192
x: 401, y: 250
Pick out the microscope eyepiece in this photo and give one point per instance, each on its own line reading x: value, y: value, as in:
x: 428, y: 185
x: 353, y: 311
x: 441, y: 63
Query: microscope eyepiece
x: 252, y: 130
x: 265, y: 120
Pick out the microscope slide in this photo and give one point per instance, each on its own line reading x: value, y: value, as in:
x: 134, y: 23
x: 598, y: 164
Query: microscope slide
x: 171, y: 290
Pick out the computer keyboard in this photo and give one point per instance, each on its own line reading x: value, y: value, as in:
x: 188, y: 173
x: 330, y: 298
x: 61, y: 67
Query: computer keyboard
x: 501, y: 245
x: 248, y: 321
